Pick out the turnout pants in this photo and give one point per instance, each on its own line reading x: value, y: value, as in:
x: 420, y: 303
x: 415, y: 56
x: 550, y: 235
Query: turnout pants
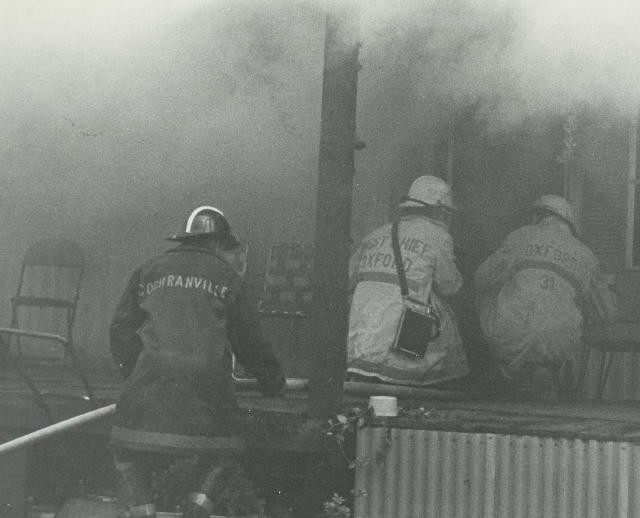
x: 206, y: 478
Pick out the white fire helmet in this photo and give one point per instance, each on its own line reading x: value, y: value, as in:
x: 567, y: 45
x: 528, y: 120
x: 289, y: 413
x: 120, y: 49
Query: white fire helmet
x: 206, y: 221
x: 558, y: 206
x: 429, y: 190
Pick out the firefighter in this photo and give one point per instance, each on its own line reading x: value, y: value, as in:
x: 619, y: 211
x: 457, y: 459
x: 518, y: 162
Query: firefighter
x: 181, y: 316
x: 534, y: 293
x: 427, y: 252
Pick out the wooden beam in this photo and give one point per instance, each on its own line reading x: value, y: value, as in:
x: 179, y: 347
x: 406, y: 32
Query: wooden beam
x: 333, y: 210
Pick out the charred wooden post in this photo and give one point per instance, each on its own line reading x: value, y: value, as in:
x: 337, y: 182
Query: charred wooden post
x: 332, y: 248
x: 333, y: 211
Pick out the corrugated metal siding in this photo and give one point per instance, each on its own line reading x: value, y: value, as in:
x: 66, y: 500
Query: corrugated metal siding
x: 432, y: 474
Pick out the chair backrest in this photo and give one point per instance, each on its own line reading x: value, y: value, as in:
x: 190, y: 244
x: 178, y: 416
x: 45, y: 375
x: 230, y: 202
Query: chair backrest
x: 287, y: 286
x: 47, y: 295
x: 285, y: 301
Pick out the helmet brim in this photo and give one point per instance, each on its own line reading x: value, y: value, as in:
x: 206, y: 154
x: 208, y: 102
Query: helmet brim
x: 540, y: 211
x: 410, y: 202
x: 183, y: 236
x: 230, y: 241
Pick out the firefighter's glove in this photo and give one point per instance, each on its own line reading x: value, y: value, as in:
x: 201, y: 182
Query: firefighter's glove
x: 126, y: 369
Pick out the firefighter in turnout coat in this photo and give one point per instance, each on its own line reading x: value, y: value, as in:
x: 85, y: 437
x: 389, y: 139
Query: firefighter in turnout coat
x: 534, y: 293
x: 181, y: 316
x: 427, y: 253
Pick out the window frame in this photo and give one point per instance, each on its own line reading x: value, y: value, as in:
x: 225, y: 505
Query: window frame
x: 632, y: 233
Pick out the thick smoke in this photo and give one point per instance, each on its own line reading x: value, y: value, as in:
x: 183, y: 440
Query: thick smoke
x: 136, y: 99
x: 513, y: 57
x: 125, y: 108
x: 117, y: 116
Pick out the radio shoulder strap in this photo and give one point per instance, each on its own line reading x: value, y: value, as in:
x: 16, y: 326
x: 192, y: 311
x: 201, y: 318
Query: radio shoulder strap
x: 395, y: 244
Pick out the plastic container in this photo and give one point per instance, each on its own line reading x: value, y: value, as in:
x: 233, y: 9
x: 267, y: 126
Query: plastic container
x: 384, y: 406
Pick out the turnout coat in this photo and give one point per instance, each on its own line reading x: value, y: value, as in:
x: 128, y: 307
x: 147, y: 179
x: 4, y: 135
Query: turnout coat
x: 376, y: 306
x: 181, y: 316
x: 534, y: 293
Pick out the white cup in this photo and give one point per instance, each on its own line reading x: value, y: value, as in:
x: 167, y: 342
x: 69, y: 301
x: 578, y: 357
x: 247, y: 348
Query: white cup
x: 384, y: 405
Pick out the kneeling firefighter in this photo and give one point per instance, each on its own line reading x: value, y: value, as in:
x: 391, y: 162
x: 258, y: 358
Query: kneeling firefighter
x: 425, y: 248
x: 181, y: 316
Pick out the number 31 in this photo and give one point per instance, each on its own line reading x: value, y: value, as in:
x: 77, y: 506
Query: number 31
x: 548, y: 282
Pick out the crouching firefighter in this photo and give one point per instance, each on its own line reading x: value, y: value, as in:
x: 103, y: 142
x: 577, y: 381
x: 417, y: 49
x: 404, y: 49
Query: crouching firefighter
x: 425, y: 250
x: 181, y: 316
x: 536, y: 291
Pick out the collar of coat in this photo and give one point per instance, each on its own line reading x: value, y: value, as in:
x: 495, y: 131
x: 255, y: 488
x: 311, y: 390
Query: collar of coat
x: 200, y: 250
x: 422, y: 216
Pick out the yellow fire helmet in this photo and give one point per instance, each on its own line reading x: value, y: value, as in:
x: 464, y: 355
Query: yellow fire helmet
x: 429, y: 190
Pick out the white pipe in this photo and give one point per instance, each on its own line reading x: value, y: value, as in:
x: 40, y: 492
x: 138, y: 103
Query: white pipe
x: 293, y: 384
x: 79, y: 420
x: 54, y: 429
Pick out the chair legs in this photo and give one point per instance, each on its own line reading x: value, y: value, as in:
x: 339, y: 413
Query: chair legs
x: 603, y: 370
x: 582, y: 371
x: 605, y: 367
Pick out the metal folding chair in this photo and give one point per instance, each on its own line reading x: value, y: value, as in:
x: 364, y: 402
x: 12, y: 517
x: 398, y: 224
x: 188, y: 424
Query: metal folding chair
x: 43, y: 315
